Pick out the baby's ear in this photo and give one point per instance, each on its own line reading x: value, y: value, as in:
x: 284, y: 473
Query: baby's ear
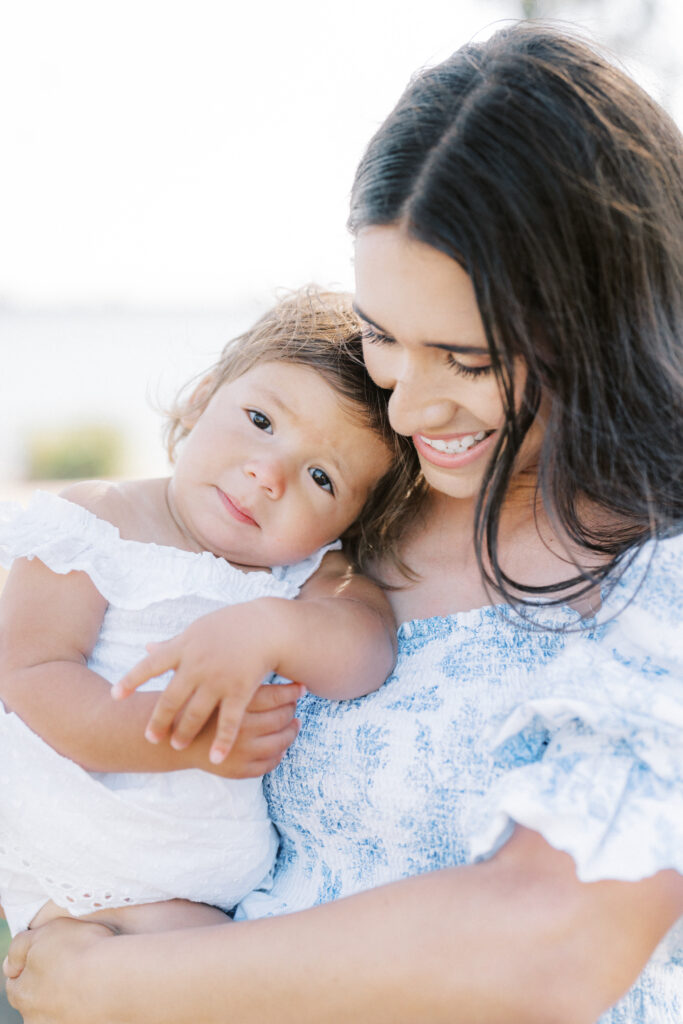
x: 197, y: 402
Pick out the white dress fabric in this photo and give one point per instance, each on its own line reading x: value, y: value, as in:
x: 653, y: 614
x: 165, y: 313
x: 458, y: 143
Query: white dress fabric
x: 574, y: 729
x: 89, y: 840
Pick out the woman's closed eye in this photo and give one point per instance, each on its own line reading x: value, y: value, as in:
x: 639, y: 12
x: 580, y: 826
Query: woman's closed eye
x: 472, y: 372
x: 320, y: 477
x: 373, y: 336
x: 260, y: 420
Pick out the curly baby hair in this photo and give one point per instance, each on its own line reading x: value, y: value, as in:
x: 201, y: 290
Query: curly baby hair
x: 318, y: 329
x: 557, y: 184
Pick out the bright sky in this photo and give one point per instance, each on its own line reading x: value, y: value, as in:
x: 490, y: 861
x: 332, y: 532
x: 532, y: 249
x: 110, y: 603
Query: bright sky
x: 190, y: 152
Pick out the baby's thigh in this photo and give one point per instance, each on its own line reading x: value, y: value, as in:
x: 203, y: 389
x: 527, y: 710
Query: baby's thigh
x: 143, y: 917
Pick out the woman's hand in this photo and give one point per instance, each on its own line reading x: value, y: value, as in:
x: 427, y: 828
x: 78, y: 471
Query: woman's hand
x: 47, y: 976
x: 267, y: 729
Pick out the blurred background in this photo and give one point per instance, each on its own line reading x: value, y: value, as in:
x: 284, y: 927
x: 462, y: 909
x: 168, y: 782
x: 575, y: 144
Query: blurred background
x: 168, y: 164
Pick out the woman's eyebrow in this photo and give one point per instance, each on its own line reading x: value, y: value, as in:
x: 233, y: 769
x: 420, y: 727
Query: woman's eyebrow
x: 463, y: 350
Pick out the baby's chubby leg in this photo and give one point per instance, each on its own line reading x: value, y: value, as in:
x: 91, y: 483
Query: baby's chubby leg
x: 143, y: 917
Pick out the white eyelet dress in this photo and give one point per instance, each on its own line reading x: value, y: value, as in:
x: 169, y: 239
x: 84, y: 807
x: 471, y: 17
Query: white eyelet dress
x: 485, y: 722
x: 89, y: 841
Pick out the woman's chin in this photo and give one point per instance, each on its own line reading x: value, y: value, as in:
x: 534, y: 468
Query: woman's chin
x: 462, y: 484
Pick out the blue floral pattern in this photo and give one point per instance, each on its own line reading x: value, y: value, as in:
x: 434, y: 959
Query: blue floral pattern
x: 577, y: 733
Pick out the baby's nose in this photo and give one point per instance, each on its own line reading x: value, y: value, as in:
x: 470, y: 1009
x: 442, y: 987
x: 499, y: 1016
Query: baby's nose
x: 270, y: 474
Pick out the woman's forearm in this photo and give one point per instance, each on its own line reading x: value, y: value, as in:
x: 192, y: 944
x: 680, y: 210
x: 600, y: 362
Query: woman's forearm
x: 516, y: 939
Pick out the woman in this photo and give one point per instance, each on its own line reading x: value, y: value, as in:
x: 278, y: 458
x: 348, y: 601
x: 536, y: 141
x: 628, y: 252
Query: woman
x: 519, y: 220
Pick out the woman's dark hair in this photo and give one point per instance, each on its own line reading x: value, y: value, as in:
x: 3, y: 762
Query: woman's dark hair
x: 557, y: 184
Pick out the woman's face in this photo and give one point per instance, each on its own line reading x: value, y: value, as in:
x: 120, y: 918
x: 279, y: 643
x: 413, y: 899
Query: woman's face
x: 424, y: 339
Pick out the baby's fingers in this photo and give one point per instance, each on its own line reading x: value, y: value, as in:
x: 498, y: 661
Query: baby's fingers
x: 161, y: 658
x: 181, y: 691
x: 230, y: 717
x: 193, y: 718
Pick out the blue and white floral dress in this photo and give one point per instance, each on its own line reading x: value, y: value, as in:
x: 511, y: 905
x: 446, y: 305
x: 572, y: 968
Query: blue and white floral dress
x: 577, y: 734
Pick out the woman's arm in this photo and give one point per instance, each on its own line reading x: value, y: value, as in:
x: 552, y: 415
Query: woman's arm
x: 48, y: 626
x: 338, y: 639
x: 514, y: 940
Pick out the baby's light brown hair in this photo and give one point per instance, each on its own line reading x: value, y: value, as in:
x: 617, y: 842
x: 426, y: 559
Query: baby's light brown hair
x: 318, y: 329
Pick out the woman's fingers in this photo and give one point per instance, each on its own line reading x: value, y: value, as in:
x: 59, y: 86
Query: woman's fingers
x: 49, y: 981
x: 161, y: 658
x: 265, y: 748
x: 265, y: 723
x: 268, y: 696
x: 235, y: 723
x: 15, y: 960
x: 263, y: 754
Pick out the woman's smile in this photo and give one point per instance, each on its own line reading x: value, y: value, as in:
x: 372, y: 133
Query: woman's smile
x: 455, y: 450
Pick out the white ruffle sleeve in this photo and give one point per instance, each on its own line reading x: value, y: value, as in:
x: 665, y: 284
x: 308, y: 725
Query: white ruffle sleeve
x: 128, y: 573
x: 608, y: 788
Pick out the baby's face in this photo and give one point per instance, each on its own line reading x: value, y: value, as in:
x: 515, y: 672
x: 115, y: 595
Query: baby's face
x: 274, y: 468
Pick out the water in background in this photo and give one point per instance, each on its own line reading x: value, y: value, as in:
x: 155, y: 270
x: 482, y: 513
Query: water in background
x: 71, y: 367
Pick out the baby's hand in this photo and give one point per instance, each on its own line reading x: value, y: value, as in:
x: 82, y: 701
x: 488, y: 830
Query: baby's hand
x: 268, y: 728
x: 218, y: 663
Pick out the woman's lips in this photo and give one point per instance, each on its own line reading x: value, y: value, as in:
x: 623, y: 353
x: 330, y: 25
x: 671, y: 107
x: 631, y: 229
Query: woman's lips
x: 238, y: 513
x: 455, y: 450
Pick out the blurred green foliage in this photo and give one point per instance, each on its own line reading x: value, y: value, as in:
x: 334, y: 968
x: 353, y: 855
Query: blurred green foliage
x: 75, y: 452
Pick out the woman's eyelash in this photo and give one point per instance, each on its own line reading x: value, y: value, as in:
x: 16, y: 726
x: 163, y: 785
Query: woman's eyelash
x: 374, y: 337
x: 467, y: 371
x: 377, y: 338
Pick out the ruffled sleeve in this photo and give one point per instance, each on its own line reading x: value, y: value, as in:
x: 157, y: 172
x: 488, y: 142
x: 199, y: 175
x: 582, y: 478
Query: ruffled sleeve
x: 593, y: 759
x: 131, y: 574
x: 297, y: 574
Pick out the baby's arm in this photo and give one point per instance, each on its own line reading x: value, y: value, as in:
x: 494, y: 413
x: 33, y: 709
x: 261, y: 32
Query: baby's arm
x: 48, y: 627
x: 338, y: 639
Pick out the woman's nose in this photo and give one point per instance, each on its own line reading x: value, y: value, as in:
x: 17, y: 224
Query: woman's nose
x: 269, y: 474
x: 414, y: 408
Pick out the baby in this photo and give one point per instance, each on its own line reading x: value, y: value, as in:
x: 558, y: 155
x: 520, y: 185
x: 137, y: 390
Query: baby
x: 282, y: 448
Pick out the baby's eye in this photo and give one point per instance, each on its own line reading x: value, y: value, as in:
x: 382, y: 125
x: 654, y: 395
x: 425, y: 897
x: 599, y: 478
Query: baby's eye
x: 260, y: 420
x: 322, y: 479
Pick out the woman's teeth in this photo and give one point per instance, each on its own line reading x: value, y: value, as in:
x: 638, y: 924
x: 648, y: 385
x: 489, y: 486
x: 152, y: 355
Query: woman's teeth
x: 456, y: 445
